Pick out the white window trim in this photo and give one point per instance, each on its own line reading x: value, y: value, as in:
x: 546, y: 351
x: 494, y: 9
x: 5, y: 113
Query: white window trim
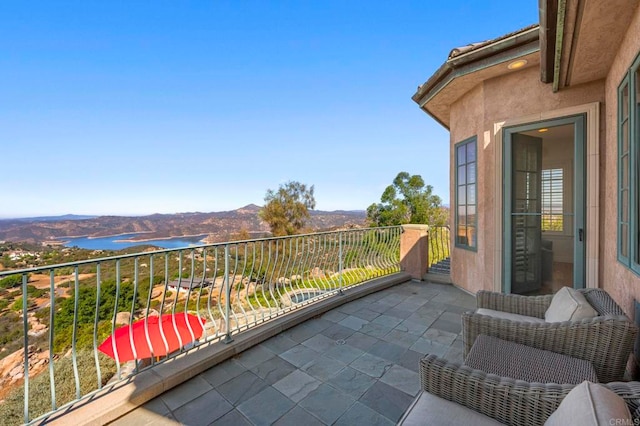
x: 592, y: 208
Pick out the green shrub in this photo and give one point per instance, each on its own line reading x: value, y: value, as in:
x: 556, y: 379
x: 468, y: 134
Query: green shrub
x: 12, y: 410
x: 11, y: 281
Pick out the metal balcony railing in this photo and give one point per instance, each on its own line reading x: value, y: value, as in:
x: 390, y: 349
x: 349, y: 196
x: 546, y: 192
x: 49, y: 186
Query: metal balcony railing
x: 439, y: 250
x: 89, y: 324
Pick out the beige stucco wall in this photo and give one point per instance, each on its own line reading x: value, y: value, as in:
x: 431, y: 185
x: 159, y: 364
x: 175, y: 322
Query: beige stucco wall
x: 511, y: 96
x: 623, y: 284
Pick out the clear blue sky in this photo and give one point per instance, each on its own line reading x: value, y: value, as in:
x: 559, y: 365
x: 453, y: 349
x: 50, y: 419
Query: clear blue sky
x: 140, y: 107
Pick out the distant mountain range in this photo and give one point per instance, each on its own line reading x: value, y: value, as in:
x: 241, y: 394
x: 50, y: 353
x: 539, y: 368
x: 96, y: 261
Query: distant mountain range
x: 219, y: 226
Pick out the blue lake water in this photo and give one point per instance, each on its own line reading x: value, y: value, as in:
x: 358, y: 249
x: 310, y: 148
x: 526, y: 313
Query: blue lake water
x: 115, y: 243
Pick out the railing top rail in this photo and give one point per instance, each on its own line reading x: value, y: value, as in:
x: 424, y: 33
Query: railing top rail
x: 191, y: 247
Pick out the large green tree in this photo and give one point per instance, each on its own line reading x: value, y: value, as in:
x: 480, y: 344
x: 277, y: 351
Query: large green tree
x: 287, y: 209
x: 407, y: 200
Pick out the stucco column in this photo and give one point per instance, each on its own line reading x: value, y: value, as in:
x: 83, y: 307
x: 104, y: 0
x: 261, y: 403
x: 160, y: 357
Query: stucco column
x: 414, y: 250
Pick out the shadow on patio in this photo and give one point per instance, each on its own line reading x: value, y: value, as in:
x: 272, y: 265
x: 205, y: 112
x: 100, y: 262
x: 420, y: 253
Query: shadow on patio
x: 355, y: 364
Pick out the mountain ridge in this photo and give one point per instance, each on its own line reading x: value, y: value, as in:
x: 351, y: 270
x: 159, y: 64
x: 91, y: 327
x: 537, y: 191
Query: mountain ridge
x: 219, y: 226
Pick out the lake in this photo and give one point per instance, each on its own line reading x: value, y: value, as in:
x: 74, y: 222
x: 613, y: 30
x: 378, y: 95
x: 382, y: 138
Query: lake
x: 115, y: 243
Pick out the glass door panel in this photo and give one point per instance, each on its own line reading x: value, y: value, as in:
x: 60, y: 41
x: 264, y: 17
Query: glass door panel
x: 526, y: 214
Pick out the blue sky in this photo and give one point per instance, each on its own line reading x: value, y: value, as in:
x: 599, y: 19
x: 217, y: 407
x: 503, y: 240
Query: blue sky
x: 140, y: 107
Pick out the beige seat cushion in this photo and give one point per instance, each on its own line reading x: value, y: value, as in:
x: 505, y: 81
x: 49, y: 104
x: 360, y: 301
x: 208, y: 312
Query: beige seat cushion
x: 591, y: 404
x: 569, y: 305
x: 509, y: 316
x: 429, y: 409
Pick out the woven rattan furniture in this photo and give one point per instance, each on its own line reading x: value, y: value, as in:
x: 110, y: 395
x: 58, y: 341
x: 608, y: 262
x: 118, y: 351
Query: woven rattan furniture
x: 509, y: 359
x: 605, y: 340
x: 511, y: 402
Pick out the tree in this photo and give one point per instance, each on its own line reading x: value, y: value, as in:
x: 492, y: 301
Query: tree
x: 287, y: 209
x: 407, y: 200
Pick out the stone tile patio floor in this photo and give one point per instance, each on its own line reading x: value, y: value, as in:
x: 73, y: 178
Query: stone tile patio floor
x: 355, y: 365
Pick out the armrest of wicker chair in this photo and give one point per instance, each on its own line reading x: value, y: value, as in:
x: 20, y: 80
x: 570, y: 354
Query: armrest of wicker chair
x: 513, y: 402
x: 605, y: 341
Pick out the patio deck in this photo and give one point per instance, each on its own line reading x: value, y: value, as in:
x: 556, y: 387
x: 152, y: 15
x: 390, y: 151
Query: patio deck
x: 355, y: 365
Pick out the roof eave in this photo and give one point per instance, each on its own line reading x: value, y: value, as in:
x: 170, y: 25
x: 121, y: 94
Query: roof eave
x: 484, y: 54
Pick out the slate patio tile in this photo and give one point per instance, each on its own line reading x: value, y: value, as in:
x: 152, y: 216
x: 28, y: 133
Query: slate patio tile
x: 457, y: 309
x: 372, y: 365
x: 334, y: 316
x: 352, y: 382
x: 279, y: 344
x: 393, y: 298
x: 185, y: 392
x: 203, y: 410
x: 223, y: 372
x: 254, y: 356
x: 338, y: 332
x: 300, y: 333
x: 353, y: 322
x: 242, y: 387
x: 344, y: 353
x: 400, y: 338
x: 451, y: 316
x: 318, y: 324
x: 399, y: 313
x: 411, y: 360
x: 379, y: 307
x: 412, y: 304
x: 422, y: 319
x: 386, y: 400
x: 375, y: 330
x: 445, y: 325
x: 413, y: 327
x: 273, y: 369
x: 323, y: 367
x: 360, y: 414
x: 366, y: 314
x: 425, y: 346
x: 387, y: 321
x: 297, y: 416
x: 361, y: 341
x: 232, y: 418
x: 386, y: 350
x: 266, y: 407
x: 297, y: 385
x: 320, y: 343
x: 439, y: 336
x: 327, y: 403
x: 299, y: 355
x: 402, y: 379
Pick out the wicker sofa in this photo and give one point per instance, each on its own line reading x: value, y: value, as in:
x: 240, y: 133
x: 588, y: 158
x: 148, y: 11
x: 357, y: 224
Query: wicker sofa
x: 501, y: 399
x: 605, y: 340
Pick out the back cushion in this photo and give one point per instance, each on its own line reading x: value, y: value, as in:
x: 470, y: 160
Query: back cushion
x: 569, y: 305
x: 591, y: 404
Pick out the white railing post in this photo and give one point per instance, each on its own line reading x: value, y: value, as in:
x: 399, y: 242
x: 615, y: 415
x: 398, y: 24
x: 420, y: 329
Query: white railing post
x: 340, y: 261
x: 227, y: 307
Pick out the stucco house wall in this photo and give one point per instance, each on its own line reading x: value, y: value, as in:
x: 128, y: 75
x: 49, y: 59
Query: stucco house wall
x: 618, y: 280
x: 518, y: 94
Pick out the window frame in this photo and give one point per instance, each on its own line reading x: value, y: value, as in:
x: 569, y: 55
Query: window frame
x: 631, y: 81
x: 468, y: 246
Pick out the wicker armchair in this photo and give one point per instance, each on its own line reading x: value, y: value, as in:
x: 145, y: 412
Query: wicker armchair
x: 512, y: 402
x: 606, y: 340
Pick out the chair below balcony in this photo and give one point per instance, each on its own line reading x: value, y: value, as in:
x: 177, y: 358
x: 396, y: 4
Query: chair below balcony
x: 606, y: 339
